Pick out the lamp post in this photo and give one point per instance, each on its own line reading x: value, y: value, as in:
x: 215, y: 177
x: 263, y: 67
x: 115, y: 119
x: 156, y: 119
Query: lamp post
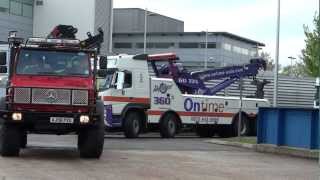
x: 206, y: 48
x: 292, y: 58
x: 146, y: 14
x: 276, y: 69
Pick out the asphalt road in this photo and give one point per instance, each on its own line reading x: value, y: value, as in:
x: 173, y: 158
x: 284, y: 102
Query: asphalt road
x: 56, y: 157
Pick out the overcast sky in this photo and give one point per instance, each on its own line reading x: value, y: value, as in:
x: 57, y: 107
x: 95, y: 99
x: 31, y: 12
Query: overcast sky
x: 254, y: 19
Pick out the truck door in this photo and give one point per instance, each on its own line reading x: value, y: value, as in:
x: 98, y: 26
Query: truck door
x: 122, y: 93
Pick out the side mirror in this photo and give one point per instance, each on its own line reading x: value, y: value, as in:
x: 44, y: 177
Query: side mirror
x: 102, y: 73
x: 3, y: 69
x: 120, y: 80
x: 3, y: 58
x: 103, y: 62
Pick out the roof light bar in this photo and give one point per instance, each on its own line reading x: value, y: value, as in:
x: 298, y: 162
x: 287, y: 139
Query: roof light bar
x: 58, y: 42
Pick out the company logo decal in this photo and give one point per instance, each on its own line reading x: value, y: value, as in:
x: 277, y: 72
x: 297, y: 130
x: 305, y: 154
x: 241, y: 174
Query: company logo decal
x: 191, y: 105
x: 52, y: 96
x: 162, y: 88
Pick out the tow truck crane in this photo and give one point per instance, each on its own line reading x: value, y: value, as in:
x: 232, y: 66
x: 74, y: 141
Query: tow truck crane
x: 51, y: 89
x: 175, y: 98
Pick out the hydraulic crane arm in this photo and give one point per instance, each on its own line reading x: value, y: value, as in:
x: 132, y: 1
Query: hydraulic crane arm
x: 194, y: 82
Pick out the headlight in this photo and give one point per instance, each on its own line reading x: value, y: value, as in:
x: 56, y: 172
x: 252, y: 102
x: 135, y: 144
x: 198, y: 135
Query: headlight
x: 17, y: 116
x: 84, y: 119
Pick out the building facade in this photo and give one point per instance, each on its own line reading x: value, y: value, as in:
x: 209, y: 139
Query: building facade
x: 132, y: 20
x: 16, y: 15
x: 85, y: 15
x: 223, y: 49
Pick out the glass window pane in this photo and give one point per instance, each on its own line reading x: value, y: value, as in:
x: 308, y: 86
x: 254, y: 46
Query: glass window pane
x: 122, y: 45
x: 15, y: 8
x: 188, y: 45
x: 27, y: 10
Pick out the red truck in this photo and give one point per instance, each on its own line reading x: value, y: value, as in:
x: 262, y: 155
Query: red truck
x: 51, y: 89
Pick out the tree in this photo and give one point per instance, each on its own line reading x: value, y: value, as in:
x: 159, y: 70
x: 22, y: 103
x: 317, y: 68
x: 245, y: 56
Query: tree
x: 296, y: 70
x: 270, y: 61
x: 311, y: 53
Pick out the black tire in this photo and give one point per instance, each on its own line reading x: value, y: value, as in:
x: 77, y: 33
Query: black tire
x: 9, y: 140
x: 169, y: 126
x: 91, y: 140
x: 132, y: 125
x: 101, y: 112
x: 24, y: 139
x: 205, y: 131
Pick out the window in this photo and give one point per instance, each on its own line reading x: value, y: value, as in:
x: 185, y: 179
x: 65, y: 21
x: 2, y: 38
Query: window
x: 211, y: 45
x: 127, y: 80
x: 188, y: 45
x: 4, y: 5
x: 16, y: 8
x: 39, y: 3
x: 161, y: 45
x: 122, y: 45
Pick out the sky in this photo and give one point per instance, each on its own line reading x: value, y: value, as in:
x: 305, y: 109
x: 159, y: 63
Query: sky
x: 253, y: 19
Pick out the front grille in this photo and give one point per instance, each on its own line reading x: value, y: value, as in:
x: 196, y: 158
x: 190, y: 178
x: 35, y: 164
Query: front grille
x: 51, y: 96
x: 21, y: 95
x: 79, y: 97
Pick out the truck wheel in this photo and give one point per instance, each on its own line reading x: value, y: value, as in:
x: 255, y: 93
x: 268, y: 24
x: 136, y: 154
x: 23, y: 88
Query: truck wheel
x: 204, y: 131
x: 132, y: 125
x: 91, y: 140
x: 9, y: 140
x: 245, y: 126
x: 23, y: 140
x: 101, y: 111
x: 168, y: 126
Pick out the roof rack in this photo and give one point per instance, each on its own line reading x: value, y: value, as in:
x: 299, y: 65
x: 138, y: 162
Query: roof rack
x: 49, y: 42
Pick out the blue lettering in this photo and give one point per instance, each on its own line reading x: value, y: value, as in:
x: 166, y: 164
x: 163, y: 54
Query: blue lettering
x: 188, y: 104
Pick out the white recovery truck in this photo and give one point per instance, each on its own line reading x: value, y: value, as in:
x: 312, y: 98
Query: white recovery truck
x: 173, y: 98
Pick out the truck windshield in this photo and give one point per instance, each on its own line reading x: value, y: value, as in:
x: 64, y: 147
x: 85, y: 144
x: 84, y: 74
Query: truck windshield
x: 58, y: 63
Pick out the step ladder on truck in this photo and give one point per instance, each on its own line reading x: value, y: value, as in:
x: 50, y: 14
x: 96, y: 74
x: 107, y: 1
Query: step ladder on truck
x: 174, y: 98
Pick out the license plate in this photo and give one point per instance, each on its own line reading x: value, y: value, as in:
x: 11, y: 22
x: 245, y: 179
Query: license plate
x: 61, y: 120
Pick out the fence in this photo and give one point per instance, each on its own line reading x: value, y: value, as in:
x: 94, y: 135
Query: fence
x: 293, y: 127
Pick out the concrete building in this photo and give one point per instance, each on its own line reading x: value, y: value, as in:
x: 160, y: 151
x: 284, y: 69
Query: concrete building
x: 16, y: 16
x: 83, y: 14
x: 165, y: 34
x: 38, y: 17
x: 132, y: 20
x: 223, y: 48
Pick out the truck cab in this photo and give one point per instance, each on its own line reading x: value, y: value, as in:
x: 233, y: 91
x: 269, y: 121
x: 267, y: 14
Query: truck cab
x: 51, y: 89
x: 125, y: 90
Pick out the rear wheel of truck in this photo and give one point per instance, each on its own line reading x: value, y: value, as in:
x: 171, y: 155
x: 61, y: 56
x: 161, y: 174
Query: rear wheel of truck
x: 168, y: 126
x: 132, y: 125
x: 204, y: 131
x: 10, y: 137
